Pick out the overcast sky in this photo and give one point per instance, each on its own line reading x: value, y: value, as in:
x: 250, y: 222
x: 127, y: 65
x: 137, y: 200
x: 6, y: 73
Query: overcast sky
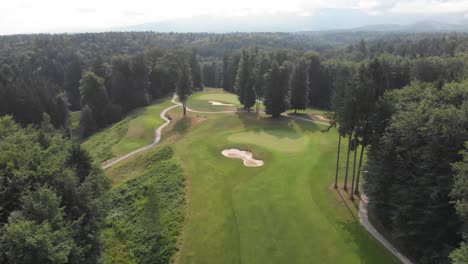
x: 33, y: 16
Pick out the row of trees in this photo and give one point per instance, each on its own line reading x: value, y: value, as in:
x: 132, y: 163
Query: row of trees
x: 282, y: 79
x: 412, y: 136
x: 109, y: 91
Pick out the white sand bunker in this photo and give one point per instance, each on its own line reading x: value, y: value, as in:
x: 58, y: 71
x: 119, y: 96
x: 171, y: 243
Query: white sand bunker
x: 321, y: 117
x: 246, y: 156
x: 219, y: 103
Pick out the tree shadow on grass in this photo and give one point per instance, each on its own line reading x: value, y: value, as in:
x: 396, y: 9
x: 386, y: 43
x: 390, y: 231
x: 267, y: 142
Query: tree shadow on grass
x: 281, y: 127
x: 368, y: 249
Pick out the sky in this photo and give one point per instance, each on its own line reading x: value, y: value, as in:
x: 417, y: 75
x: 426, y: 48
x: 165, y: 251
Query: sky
x: 54, y: 16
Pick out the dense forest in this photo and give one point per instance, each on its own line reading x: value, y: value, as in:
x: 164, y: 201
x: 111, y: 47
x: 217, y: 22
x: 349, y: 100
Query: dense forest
x: 400, y: 98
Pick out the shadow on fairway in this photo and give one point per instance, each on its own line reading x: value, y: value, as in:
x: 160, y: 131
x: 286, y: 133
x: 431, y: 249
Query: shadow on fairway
x: 281, y: 127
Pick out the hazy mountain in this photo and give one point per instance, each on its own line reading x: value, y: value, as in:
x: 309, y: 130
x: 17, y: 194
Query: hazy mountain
x: 324, y: 20
x: 422, y: 26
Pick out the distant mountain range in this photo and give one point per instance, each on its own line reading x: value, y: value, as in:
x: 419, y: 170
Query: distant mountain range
x: 290, y: 24
x: 422, y: 26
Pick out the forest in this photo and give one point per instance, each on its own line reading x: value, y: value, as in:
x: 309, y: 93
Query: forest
x: 399, y: 100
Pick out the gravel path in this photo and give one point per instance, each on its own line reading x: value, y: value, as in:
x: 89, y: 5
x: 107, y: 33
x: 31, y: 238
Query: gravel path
x: 368, y: 226
x: 362, y: 205
x: 157, y: 138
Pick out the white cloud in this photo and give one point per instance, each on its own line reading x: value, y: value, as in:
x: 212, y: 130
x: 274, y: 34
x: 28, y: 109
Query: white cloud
x: 430, y: 7
x: 26, y: 16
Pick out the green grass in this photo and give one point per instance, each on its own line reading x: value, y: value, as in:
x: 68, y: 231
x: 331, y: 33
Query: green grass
x: 283, y: 212
x: 199, y: 101
x: 135, y: 131
x: 274, y: 139
x: 147, y: 210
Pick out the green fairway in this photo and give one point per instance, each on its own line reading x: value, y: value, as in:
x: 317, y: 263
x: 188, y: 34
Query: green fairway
x: 283, y: 212
x: 200, y: 101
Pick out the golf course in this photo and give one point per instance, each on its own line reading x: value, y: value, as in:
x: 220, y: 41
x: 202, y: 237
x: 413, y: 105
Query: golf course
x: 285, y: 211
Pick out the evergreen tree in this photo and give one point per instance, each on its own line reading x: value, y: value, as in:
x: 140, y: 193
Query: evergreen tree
x: 300, y: 86
x: 72, y: 81
x: 196, y: 71
x: 184, y: 86
x: 94, y: 95
x: 244, y: 81
x: 52, y: 206
x: 87, y: 122
x: 276, y: 93
x: 459, y: 195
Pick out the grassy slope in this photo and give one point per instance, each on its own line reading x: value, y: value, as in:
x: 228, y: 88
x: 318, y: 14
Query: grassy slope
x: 199, y: 101
x: 283, y: 212
x: 147, y: 210
x: 135, y: 131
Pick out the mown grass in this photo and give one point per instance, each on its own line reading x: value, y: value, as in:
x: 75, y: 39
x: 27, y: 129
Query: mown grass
x: 199, y: 101
x: 135, y: 131
x: 283, y: 212
x: 147, y: 209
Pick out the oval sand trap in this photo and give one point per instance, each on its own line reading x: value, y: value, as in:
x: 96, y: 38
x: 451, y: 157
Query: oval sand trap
x: 246, y: 156
x: 219, y: 103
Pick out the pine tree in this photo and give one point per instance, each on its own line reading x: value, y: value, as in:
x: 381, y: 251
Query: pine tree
x: 244, y: 81
x: 195, y: 71
x: 276, y: 93
x: 87, y: 122
x: 184, y: 86
x: 300, y: 86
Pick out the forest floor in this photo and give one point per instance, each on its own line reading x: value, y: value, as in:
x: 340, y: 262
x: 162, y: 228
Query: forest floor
x: 281, y: 212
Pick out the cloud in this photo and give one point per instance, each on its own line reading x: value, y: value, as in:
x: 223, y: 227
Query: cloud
x: 91, y: 15
x: 431, y: 7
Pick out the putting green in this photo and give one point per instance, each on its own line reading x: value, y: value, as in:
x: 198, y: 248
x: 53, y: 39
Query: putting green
x: 200, y: 101
x: 282, y: 212
x: 279, y: 140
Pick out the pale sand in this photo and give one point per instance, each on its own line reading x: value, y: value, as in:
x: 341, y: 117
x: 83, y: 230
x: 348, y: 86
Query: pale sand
x: 321, y: 117
x: 219, y: 103
x: 246, y: 156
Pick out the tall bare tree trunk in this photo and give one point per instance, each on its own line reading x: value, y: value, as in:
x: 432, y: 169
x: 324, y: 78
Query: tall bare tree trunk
x: 184, y: 106
x: 351, y: 193
x: 356, y: 190
x: 347, y: 162
x: 337, y: 160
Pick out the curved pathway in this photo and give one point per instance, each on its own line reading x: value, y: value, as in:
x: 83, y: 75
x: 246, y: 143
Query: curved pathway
x: 362, y: 205
x: 157, y: 138
x: 368, y: 226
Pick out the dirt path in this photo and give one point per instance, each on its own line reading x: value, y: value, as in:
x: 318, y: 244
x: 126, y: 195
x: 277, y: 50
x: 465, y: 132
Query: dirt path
x: 368, y: 226
x: 362, y: 205
x: 157, y: 138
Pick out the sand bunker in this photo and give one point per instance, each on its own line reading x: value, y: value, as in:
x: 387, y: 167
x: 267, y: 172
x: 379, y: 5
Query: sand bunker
x: 219, y: 103
x: 321, y: 117
x: 246, y: 156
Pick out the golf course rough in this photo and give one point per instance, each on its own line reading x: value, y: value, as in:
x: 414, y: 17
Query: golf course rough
x: 282, y: 212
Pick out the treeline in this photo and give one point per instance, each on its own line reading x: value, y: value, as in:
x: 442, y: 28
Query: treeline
x: 412, y: 133
x: 307, y: 79
x: 52, y: 200
x: 257, y: 74
x: 107, y: 92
